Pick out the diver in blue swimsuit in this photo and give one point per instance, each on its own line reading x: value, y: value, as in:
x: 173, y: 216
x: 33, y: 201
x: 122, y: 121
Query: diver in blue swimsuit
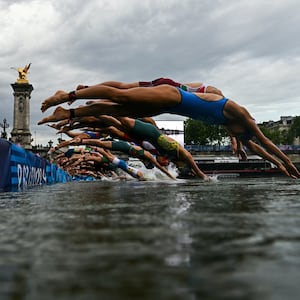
x: 194, y: 107
x: 151, y: 101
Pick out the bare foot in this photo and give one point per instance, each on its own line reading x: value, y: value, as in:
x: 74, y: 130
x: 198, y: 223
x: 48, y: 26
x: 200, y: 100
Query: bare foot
x: 51, y: 150
x: 76, y: 141
x: 58, y: 98
x: 80, y: 87
x: 53, y: 126
x: 64, y: 129
x: 62, y: 123
x: 58, y: 115
x: 91, y: 102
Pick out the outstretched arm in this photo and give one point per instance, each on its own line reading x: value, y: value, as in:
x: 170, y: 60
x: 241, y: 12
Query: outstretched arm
x: 239, y: 150
x: 271, y: 147
x: 186, y: 156
x: 261, y: 152
x: 236, y: 145
x: 149, y: 156
x: 242, y: 119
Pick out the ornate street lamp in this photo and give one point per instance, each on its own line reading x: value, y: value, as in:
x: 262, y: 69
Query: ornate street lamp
x: 4, y: 125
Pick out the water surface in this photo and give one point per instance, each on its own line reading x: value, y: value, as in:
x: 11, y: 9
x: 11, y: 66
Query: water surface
x: 231, y: 239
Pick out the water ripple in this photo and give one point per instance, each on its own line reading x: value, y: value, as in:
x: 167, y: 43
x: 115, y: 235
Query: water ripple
x: 229, y: 239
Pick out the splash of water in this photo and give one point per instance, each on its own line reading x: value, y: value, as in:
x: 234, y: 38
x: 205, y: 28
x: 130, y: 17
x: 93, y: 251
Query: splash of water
x: 154, y: 174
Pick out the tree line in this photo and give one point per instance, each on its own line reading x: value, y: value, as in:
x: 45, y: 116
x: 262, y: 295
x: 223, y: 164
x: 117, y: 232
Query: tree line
x: 198, y: 133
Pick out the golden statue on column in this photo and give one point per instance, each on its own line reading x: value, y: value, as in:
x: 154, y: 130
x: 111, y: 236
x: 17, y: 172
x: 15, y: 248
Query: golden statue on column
x: 22, y: 74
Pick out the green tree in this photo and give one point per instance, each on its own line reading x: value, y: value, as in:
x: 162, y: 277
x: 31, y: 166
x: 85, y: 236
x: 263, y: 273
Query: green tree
x: 195, y: 132
x: 274, y: 134
x: 285, y: 137
x: 198, y: 133
x: 294, y: 130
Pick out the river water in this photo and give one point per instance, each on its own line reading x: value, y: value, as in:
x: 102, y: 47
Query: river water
x: 231, y: 239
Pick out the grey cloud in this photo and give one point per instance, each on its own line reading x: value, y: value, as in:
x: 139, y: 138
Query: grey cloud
x: 248, y: 48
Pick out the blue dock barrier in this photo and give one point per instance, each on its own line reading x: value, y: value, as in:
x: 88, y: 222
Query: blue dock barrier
x: 20, y: 169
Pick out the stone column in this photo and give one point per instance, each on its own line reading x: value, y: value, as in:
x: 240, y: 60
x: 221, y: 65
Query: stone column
x: 21, y: 132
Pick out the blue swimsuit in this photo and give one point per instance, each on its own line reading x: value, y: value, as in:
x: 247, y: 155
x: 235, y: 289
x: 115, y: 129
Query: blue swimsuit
x: 210, y: 112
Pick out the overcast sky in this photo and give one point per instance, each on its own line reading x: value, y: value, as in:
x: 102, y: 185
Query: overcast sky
x: 248, y: 49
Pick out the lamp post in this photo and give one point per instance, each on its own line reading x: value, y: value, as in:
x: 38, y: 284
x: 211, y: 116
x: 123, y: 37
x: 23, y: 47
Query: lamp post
x: 4, y: 125
x: 50, y: 143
